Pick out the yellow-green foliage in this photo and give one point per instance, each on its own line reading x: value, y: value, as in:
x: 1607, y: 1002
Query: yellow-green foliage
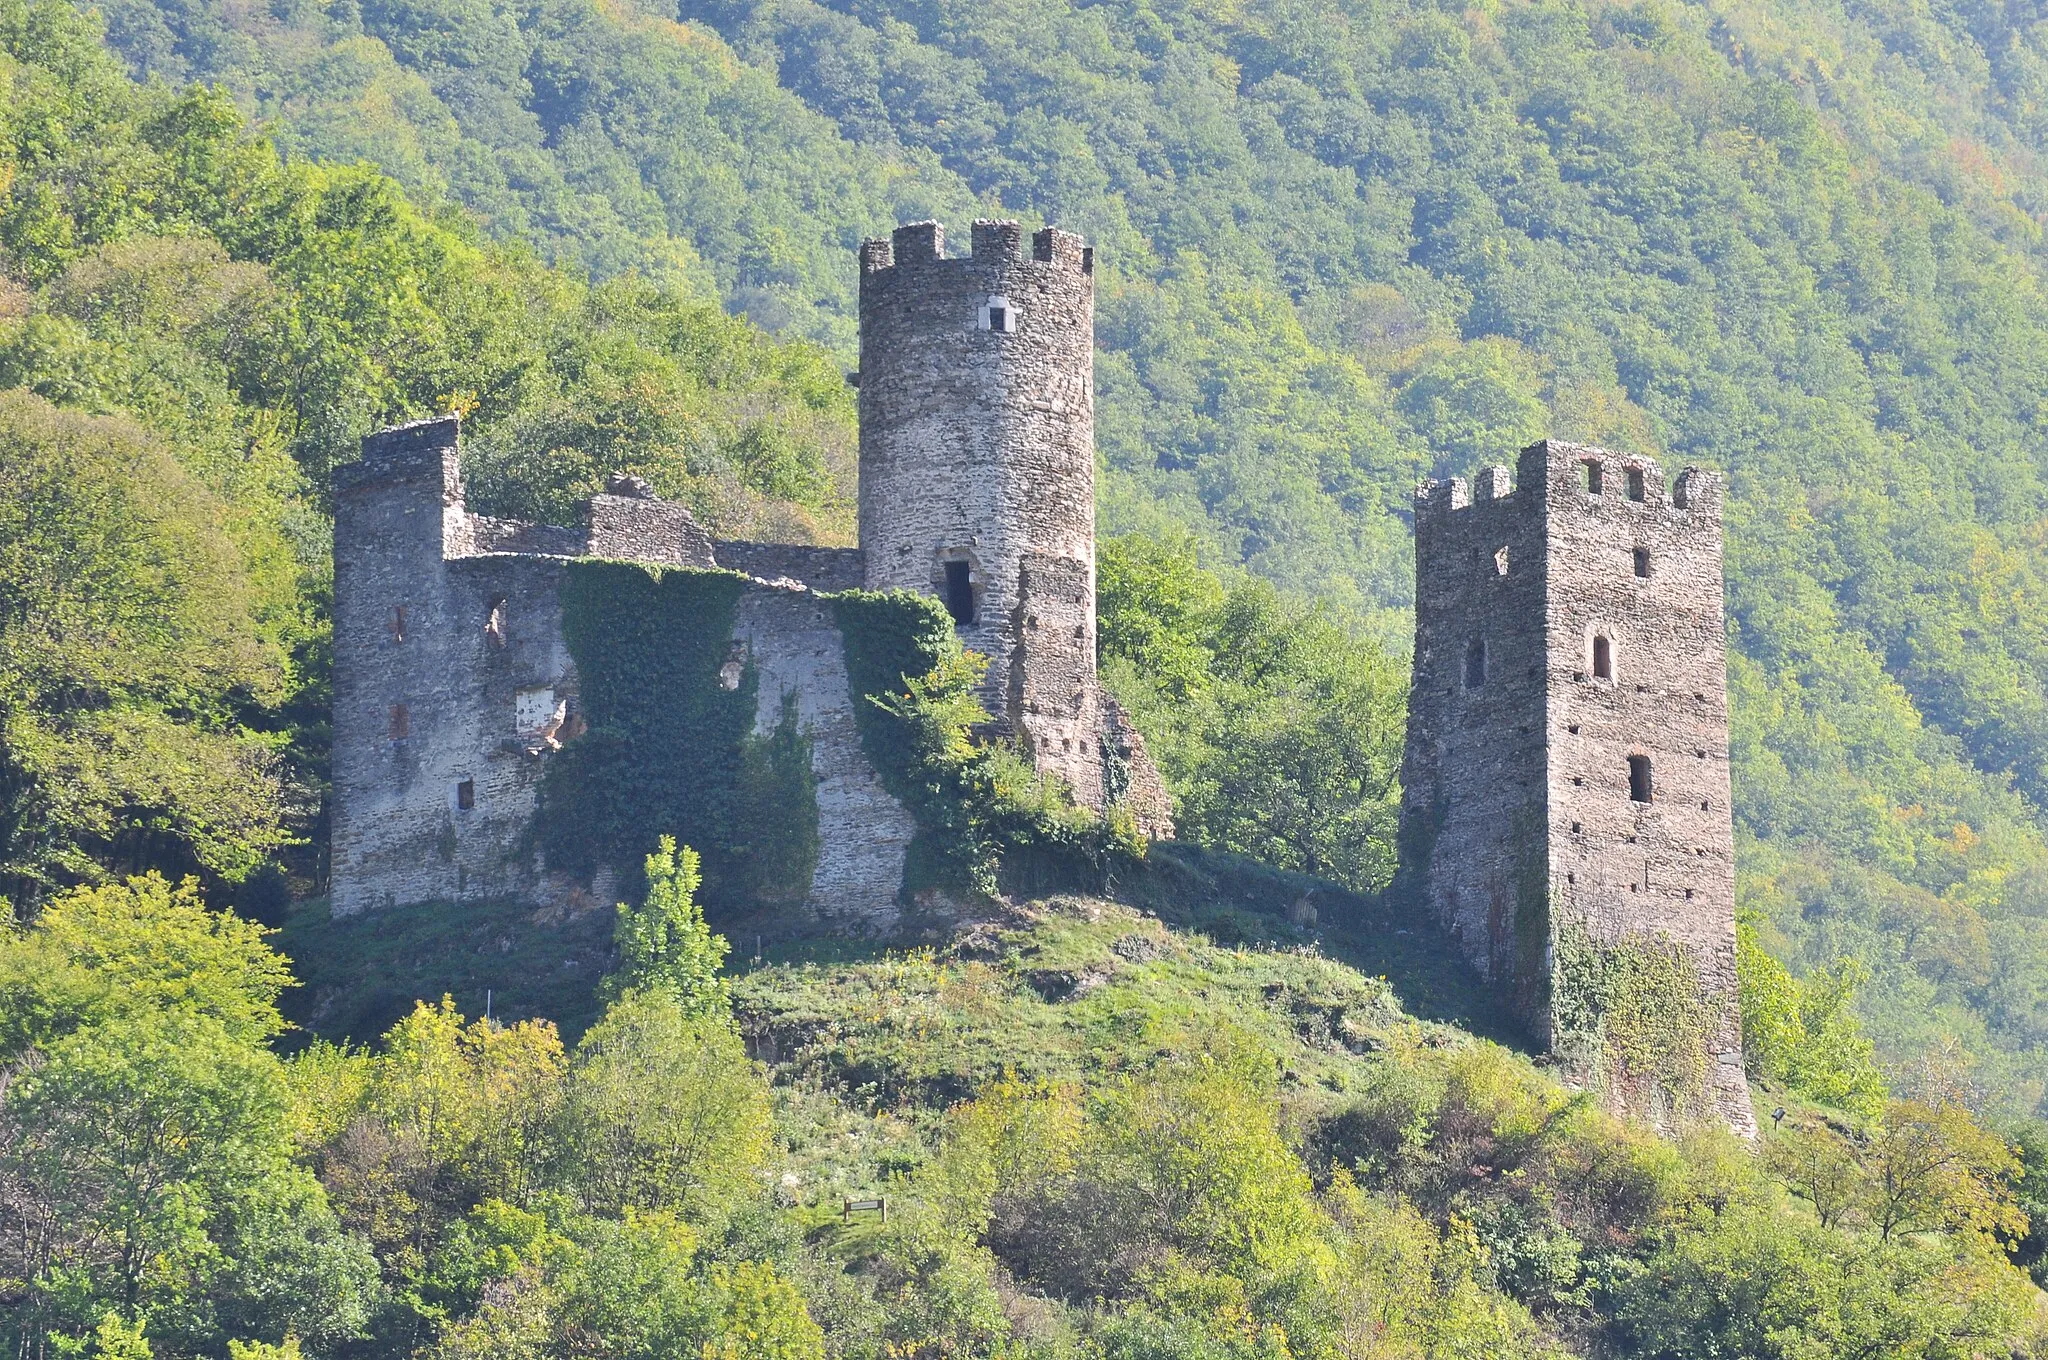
x: 1635, y: 1018
x: 1803, y: 1032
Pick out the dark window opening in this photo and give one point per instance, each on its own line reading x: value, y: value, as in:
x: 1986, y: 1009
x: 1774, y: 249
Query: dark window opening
x: 960, y: 592
x: 1642, y: 562
x: 1635, y: 484
x: 1603, y: 659
x: 998, y: 319
x: 401, y: 722
x: 494, y: 625
x: 1475, y: 663
x: 398, y: 623
x: 465, y: 794
x: 1639, y: 779
x: 1591, y: 471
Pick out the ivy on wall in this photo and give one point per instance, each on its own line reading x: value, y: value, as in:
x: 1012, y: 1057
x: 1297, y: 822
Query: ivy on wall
x: 1635, y: 1019
x: 669, y: 749
x: 983, y: 813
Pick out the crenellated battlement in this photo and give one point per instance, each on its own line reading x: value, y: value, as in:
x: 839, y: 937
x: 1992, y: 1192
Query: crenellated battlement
x: 994, y: 241
x: 1582, y: 475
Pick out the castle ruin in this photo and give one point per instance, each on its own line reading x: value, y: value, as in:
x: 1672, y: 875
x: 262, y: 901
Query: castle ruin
x: 454, y: 687
x: 1565, y: 806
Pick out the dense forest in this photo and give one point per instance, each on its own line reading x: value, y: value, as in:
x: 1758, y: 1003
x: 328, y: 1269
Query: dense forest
x: 1348, y: 243
x: 1344, y: 245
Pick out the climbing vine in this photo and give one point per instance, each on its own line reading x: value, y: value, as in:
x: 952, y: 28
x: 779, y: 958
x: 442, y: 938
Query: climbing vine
x: 1634, y: 1017
x: 982, y: 811
x: 670, y: 750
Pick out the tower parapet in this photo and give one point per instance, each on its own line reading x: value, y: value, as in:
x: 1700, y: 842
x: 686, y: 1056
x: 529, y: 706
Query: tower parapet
x: 1565, y: 804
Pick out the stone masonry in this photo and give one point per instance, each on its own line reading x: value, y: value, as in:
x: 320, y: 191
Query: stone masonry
x: 1566, y: 777
x: 453, y: 686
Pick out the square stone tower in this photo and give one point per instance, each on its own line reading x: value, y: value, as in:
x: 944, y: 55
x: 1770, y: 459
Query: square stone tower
x: 1565, y: 806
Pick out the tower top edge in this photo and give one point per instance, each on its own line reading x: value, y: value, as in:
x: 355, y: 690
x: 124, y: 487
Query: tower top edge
x: 994, y: 241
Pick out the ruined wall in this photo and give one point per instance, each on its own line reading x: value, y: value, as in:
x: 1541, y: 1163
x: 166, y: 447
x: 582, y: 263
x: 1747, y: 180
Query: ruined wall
x: 1600, y: 893
x: 453, y: 686
x: 863, y: 832
x: 825, y: 569
x: 447, y: 669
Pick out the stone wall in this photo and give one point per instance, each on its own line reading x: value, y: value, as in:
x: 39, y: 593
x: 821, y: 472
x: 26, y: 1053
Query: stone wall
x: 863, y: 832
x: 1562, y: 633
x: 447, y: 667
x: 453, y: 687
x: 819, y: 568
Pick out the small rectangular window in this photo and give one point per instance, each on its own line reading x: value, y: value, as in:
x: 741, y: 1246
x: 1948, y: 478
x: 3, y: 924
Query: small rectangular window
x: 465, y: 794
x: 401, y: 722
x: 1589, y: 472
x: 960, y: 592
x: 1635, y: 484
x: 1639, y: 779
x: 1643, y: 562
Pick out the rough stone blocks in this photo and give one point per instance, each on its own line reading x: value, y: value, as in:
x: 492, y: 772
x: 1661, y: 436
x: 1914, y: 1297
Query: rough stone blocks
x: 1565, y: 786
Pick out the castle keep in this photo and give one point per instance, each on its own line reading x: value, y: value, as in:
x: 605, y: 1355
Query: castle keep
x: 1565, y: 787
x: 454, y: 687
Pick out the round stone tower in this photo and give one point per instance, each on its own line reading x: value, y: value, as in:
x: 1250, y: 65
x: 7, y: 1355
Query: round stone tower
x: 977, y: 450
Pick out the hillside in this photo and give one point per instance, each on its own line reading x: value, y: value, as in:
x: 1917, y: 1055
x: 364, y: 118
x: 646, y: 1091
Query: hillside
x: 1066, y: 1128
x: 1351, y: 243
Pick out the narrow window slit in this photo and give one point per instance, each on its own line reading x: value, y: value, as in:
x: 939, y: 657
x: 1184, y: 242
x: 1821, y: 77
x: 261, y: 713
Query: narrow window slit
x: 1639, y: 779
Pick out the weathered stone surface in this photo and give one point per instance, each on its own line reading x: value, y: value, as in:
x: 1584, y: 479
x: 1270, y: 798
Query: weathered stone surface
x: 863, y: 832
x: 453, y: 686
x: 977, y: 450
x: 1518, y: 814
x: 825, y: 569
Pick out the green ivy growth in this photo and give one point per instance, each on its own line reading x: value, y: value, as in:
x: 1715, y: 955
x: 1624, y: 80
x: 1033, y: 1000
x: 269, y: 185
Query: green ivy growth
x: 983, y: 812
x: 1634, y: 1018
x: 670, y: 750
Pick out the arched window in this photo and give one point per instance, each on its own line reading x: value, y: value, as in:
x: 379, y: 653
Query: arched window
x: 1603, y: 657
x: 1475, y: 663
x: 1639, y: 779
